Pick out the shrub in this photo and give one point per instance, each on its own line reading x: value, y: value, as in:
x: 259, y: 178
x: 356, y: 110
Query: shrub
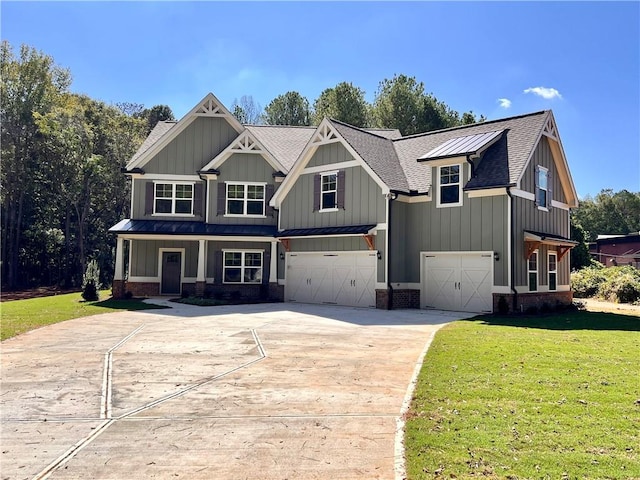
x: 91, y: 282
x: 615, y: 284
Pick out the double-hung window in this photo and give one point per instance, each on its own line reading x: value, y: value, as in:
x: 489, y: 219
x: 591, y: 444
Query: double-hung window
x: 553, y: 271
x: 247, y: 199
x: 532, y: 269
x: 242, y: 267
x: 450, y: 186
x: 543, y: 199
x: 329, y: 191
x: 173, y: 198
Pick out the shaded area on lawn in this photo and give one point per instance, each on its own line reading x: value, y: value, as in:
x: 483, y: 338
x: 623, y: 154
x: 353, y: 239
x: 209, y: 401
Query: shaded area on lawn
x: 566, y: 321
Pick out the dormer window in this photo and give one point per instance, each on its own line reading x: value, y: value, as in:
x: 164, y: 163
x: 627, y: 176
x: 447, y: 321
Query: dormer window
x: 450, y: 186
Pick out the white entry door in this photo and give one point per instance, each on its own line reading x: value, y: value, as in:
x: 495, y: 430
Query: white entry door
x: 338, y: 278
x: 458, y: 281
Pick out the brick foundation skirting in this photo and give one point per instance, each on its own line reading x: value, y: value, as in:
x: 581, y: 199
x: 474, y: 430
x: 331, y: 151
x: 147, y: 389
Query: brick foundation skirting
x: 271, y: 292
x: 118, y: 289
x: 405, y: 298
x: 142, y: 289
x: 531, y: 302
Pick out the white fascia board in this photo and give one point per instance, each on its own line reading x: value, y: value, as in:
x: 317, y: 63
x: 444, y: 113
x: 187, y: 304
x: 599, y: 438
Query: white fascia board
x: 306, y: 155
x: 486, y: 192
x: 516, y: 192
x: 335, y: 235
x: 444, y: 162
x: 166, y: 176
x: 181, y: 125
x: 194, y: 238
x: 331, y: 166
x: 233, y: 148
x: 414, y: 199
x: 560, y: 205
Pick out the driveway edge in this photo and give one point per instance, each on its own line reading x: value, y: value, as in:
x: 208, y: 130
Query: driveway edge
x: 399, y: 460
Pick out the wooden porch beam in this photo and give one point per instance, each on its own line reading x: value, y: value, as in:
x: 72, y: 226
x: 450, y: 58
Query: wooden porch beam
x: 286, y: 244
x: 531, y: 247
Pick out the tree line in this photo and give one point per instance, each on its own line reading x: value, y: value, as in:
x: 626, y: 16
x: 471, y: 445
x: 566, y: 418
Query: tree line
x: 400, y: 102
x: 61, y: 185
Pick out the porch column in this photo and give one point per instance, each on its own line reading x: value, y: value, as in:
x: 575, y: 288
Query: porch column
x: 118, y: 288
x: 273, y: 273
x: 200, y: 278
x: 118, y: 274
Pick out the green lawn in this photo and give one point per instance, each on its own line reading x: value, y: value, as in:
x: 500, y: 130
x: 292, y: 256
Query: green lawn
x: 20, y: 316
x: 545, y: 397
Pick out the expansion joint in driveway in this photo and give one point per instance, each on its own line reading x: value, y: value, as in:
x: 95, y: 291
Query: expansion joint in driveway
x: 105, y: 408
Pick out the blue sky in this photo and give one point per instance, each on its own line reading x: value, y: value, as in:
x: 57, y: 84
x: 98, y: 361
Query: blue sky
x: 581, y: 59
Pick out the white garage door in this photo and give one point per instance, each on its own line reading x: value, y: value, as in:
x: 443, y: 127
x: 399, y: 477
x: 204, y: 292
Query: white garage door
x: 339, y: 278
x: 455, y: 281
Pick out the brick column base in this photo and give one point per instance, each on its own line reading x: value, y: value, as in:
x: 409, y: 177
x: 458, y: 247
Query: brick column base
x: 118, y: 289
x: 200, y: 287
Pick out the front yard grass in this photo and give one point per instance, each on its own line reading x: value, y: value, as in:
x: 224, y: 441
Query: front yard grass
x: 529, y: 397
x: 19, y: 316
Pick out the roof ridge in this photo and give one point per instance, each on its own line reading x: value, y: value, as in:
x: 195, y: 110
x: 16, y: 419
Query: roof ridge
x: 461, y: 127
x: 280, y: 126
x: 360, y: 129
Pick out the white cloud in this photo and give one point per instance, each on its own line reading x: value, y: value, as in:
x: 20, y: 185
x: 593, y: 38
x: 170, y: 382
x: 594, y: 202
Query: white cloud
x: 504, y: 102
x: 544, y: 92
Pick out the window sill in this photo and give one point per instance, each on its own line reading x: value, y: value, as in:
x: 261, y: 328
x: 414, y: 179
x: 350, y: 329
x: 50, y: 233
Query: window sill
x: 242, y: 283
x: 448, y: 205
x: 172, y: 215
x: 544, y: 209
x: 238, y: 215
x: 327, y: 210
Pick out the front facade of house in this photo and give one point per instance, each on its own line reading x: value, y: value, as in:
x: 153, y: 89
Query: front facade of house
x: 472, y: 218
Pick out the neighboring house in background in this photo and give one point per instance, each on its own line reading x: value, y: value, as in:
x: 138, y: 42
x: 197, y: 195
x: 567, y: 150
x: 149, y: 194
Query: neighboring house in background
x: 612, y: 250
x: 466, y: 218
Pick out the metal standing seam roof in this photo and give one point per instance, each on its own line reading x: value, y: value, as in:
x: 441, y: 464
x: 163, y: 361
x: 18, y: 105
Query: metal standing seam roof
x: 459, y: 146
x: 320, y: 231
x: 179, y: 227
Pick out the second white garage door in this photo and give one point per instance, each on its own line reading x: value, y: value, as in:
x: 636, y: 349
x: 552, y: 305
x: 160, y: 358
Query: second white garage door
x: 455, y: 281
x: 339, y: 278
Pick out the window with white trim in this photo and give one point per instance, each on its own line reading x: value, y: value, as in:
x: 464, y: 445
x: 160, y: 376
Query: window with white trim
x: 542, y: 188
x: 532, y: 270
x: 329, y: 191
x: 242, y: 267
x: 173, y: 198
x: 552, y: 262
x: 450, y: 186
x: 246, y: 199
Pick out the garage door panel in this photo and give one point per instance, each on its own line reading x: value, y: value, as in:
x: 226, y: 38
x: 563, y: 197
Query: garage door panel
x: 460, y: 282
x: 342, y: 278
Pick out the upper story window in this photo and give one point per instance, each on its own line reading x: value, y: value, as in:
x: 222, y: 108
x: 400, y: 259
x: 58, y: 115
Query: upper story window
x: 450, y: 186
x: 532, y: 269
x: 329, y: 189
x: 553, y: 271
x: 246, y: 199
x: 543, y: 192
x: 173, y: 198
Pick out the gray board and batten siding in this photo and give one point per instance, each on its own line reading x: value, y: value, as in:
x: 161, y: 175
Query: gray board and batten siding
x: 145, y: 256
x: 142, y: 196
x: 193, y: 148
x: 479, y: 224
x: 364, y: 203
x: 542, y: 156
x: 214, y: 256
x: 242, y: 167
x: 329, y: 154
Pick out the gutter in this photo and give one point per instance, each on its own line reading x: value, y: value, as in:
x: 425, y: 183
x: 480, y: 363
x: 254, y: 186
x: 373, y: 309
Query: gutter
x: 512, y: 274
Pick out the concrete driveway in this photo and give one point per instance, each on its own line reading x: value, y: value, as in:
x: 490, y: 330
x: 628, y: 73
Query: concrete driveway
x: 276, y: 391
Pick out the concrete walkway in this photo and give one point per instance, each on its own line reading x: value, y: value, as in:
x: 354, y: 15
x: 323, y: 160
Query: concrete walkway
x: 271, y: 391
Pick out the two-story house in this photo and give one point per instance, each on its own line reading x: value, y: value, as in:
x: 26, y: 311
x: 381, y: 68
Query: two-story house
x: 472, y: 218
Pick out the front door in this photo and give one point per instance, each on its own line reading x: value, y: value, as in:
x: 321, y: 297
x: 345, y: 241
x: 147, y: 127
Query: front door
x: 171, y: 270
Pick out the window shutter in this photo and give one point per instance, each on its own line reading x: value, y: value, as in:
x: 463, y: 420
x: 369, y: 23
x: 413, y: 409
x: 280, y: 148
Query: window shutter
x: 217, y: 267
x: 535, y: 179
x: 197, y: 199
x: 549, y: 190
x: 222, y: 198
x: 148, y: 199
x: 341, y: 189
x: 316, y: 192
x: 266, y: 267
x: 268, y: 193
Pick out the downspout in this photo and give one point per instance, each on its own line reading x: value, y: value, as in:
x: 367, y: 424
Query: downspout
x: 392, y: 196
x: 512, y: 274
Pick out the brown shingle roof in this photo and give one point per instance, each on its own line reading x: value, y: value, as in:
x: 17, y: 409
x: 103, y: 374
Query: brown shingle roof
x: 158, y: 131
x: 283, y: 142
